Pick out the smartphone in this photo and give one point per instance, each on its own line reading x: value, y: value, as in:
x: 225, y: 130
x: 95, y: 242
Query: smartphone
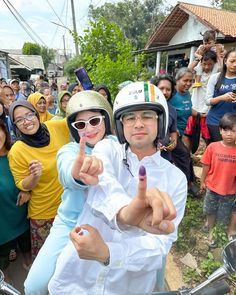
x: 234, y: 90
x: 84, y: 79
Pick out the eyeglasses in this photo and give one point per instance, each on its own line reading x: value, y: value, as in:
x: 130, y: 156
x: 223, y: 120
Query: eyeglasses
x: 29, y: 117
x: 82, y: 124
x: 146, y: 117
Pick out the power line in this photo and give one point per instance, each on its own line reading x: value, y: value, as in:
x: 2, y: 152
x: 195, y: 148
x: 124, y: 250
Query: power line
x: 55, y: 11
x: 54, y: 35
x: 23, y: 20
x: 25, y: 29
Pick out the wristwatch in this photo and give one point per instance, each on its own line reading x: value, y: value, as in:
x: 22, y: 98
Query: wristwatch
x: 197, y: 59
x: 107, y: 262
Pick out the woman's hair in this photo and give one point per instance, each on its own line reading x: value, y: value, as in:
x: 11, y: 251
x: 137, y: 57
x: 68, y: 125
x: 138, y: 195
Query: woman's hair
x: 181, y: 72
x: 7, y: 143
x: 157, y: 79
x: 228, y: 121
x: 104, y: 87
x: 224, y: 69
x: 209, y: 54
x: 8, y: 86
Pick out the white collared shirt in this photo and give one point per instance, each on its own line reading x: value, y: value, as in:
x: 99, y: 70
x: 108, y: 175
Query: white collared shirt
x: 135, y: 256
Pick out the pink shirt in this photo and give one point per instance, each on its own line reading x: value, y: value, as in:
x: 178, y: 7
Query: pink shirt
x: 221, y: 177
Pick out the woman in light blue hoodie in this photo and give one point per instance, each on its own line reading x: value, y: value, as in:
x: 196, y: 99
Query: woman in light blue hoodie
x: 89, y: 116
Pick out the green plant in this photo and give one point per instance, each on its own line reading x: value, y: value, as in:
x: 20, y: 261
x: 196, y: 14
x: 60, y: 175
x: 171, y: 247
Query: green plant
x: 191, y: 276
x: 209, y: 265
x: 219, y: 234
x: 192, y: 220
x: 107, y: 56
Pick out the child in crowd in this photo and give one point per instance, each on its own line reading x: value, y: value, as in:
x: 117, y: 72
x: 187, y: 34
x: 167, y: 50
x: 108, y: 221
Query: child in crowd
x: 219, y: 174
x: 209, y: 66
x: 209, y: 43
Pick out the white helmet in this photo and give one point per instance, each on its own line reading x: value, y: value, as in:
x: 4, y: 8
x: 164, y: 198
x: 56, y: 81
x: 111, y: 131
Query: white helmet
x: 140, y: 96
x: 88, y: 100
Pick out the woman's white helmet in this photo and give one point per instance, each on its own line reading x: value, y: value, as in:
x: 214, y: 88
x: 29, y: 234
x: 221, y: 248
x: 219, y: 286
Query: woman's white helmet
x: 140, y: 96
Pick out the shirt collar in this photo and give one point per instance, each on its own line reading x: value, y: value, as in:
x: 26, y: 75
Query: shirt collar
x: 156, y: 158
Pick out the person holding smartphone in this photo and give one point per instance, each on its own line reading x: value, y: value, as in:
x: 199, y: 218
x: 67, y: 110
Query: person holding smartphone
x: 221, y: 94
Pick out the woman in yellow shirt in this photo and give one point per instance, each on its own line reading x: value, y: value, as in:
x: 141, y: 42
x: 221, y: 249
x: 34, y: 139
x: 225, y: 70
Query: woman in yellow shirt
x: 32, y: 161
x: 39, y: 102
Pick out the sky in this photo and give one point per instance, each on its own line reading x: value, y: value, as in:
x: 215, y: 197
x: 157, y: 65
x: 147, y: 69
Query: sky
x: 39, y: 15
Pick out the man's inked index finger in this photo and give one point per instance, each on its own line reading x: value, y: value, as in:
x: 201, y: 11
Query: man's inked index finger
x: 142, y: 185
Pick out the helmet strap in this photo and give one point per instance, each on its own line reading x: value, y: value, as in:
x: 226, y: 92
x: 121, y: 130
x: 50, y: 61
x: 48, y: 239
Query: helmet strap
x: 125, y: 160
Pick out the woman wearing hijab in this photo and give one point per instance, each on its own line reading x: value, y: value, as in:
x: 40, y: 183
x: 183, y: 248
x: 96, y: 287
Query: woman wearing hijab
x: 104, y: 91
x: 40, y: 104
x: 32, y: 161
x: 63, y: 99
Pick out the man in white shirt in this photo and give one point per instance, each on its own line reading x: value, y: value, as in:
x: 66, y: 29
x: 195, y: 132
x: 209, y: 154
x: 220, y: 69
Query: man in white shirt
x: 110, y: 253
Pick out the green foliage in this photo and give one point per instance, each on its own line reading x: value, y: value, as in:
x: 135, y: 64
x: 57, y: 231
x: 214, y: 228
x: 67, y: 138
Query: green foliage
x: 112, y: 73
x: 219, y: 234
x: 35, y: 49
x: 209, y: 265
x: 31, y: 48
x: 145, y: 74
x: 190, y: 276
x: 47, y: 55
x: 224, y: 4
x: 70, y: 66
x: 137, y: 19
x: 192, y: 220
x: 107, y: 56
x: 103, y: 37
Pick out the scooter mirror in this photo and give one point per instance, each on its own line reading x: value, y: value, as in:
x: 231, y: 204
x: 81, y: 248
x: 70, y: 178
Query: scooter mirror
x: 229, y: 256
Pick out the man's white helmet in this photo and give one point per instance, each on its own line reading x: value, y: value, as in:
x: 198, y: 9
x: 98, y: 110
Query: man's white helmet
x: 140, y: 96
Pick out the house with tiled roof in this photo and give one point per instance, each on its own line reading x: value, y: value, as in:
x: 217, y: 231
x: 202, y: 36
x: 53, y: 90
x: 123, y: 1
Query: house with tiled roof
x: 180, y: 32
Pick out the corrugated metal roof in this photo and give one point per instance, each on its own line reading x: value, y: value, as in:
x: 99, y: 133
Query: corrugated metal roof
x: 30, y: 61
x: 220, y: 20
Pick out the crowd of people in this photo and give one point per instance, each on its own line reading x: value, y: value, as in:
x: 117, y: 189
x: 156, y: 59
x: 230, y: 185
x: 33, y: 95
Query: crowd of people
x: 80, y: 196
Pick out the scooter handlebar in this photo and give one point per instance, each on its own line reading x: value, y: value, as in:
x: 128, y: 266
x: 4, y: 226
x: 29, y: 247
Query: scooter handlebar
x: 216, y: 288
x: 8, y: 289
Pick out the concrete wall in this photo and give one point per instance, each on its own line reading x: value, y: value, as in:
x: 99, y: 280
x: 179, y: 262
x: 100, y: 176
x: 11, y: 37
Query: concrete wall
x: 190, y: 31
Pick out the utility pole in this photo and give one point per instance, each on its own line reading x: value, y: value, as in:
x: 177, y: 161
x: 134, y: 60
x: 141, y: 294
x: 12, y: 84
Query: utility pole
x: 74, y: 27
x: 64, y: 47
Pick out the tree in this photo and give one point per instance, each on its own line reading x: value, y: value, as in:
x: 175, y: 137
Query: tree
x: 31, y: 48
x: 136, y: 18
x: 225, y: 4
x: 47, y: 55
x: 35, y: 49
x: 107, y: 55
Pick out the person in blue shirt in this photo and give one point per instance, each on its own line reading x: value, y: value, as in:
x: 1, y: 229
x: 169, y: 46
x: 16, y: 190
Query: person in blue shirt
x: 221, y: 94
x: 89, y: 118
x: 181, y: 101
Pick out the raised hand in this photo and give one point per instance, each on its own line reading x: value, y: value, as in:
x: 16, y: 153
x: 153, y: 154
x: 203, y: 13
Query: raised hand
x: 89, y: 246
x: 151, y: 209
x: 86, y: 168
x: 35, y: 168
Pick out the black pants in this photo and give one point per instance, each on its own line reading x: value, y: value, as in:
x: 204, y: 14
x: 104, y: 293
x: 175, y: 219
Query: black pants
x: 214, y: 133
x: 182, y: 159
